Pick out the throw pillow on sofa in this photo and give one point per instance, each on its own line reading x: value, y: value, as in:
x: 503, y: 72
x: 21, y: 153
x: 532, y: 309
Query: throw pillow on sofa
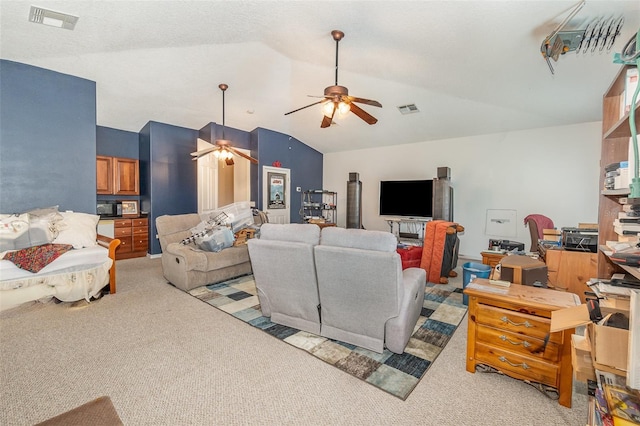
x: 78, y: 229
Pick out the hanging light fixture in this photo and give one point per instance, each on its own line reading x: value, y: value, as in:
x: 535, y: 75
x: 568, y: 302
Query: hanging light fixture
x: 340, y: 107
x: 223, y: 149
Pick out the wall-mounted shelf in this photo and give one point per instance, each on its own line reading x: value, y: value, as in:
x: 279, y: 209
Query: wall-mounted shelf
x: 621, y: 128
x: 618, y: 192
x: 616, y: 133
x: 635, y: 271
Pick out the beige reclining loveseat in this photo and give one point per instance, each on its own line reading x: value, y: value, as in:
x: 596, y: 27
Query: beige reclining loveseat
x: 187, y: 267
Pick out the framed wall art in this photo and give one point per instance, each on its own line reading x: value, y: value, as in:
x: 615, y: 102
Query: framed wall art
x: 129, y: 208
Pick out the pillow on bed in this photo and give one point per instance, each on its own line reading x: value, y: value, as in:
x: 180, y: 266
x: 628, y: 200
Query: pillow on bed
x: 43, y: 225
x: 32, y: 228
x: 78, y: 229
x: 13, y: 231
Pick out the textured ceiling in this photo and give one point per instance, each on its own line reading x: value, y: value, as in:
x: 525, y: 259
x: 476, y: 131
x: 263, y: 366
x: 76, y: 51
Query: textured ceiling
x: 471, y: 67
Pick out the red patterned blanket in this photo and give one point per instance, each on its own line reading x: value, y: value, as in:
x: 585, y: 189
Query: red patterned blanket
x: 33, y: 259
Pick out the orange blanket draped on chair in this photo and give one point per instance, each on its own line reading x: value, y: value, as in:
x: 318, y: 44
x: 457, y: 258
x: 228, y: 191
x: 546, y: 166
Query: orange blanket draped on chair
x: 440, y: 250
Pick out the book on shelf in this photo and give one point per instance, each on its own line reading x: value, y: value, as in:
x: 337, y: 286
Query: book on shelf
x: 621, y: 246
x: 626, y: 225
x: 623, y: 404
x: 630, y: 85
x: 626, y: 230
x: 632, y: 239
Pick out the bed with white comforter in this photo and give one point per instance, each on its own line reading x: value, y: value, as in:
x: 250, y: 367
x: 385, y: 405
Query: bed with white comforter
x: 75, y: 275
x: 80, y: 273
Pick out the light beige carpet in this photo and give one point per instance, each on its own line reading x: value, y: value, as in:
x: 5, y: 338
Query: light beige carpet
x: 153, y: 350
x: 99, y: 412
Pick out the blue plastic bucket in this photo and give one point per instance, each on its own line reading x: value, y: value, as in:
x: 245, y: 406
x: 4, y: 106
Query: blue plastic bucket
x: 471, y: 270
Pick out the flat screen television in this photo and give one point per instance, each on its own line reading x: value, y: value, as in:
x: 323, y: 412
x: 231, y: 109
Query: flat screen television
x: 406, y: 198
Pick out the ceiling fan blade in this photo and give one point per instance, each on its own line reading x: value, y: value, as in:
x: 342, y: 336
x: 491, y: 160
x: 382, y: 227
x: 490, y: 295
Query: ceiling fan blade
x: 242, y: 154
x: 296, y: 110
x: 365, y: 101
x: 326, y: 121
x: 363, y: 114
x: 203, y: 151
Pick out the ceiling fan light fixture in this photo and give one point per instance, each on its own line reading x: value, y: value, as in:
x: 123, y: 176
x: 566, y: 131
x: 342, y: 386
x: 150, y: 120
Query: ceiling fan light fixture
x: 327, y: 108
x: 344, y: 107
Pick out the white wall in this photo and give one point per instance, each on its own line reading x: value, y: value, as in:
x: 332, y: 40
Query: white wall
x: 552, y: 171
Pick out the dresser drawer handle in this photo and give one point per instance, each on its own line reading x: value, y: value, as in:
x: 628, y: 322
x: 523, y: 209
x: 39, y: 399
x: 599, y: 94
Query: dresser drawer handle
x: 523, y: 365
x: 527, y: 324
x: 524, y: 343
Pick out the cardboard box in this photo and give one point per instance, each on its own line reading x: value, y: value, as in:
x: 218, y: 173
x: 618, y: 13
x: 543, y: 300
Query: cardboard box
x: 552, y: 235
x: 523, y: 270
x: 581, y: 359
x: 609, y: 345
x: 611, y: 306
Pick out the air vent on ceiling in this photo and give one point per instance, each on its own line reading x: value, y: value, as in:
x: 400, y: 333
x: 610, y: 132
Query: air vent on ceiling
x: 52, y: 18
x: 408, y: 109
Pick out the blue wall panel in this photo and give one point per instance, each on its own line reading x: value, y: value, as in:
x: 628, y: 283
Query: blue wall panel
x: 172, y: 185
x: 116, y: 143
x: 304, y: 162
x: 47, y: 140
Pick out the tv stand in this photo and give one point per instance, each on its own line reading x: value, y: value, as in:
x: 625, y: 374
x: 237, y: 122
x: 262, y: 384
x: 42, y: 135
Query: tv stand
x: 414, y: 227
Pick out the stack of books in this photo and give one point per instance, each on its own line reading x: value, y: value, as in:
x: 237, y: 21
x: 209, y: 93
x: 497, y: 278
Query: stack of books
x: 616, y: 175
x: 627, y: 225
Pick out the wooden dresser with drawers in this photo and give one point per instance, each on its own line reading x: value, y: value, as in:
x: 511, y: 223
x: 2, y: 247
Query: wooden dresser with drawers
x: 509, y: 331
x: 134, y: 237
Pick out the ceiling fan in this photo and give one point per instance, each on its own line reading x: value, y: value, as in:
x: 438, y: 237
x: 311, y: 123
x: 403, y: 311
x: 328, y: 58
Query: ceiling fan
x: 223, y: 148
x: 336, y: 98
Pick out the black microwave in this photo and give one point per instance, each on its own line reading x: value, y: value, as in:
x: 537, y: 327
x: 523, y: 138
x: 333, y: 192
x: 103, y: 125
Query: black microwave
x: 109, y: 208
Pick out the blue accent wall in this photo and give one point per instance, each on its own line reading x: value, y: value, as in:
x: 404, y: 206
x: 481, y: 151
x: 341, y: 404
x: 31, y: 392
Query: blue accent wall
x: 213, y: 131
x: 47, y: 140
x: 116, y: 143
x: 168, y: 175
x: 304, y: 162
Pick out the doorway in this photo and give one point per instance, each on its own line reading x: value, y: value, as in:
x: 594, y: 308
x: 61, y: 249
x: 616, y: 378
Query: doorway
x: 220, y: 184
x: 276, y: 189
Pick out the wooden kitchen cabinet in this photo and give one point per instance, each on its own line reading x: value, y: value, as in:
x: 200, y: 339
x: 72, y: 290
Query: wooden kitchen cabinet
x: 133, y: 234
x: 104, y: 175
x: 117, y: 176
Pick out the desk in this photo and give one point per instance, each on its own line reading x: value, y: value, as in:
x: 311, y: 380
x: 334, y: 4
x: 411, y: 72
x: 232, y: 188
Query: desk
x: 570, y: 270
x: 492, y: 258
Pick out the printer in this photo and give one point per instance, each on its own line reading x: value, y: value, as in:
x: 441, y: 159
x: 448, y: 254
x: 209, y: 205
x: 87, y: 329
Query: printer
x: 505, y: 245
x: 580, y: 239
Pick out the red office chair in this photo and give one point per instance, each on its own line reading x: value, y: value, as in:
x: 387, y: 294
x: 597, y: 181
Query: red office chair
x: 537, y: 223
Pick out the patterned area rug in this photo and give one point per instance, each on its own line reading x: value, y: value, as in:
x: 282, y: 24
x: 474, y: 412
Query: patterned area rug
x: 397, y: 374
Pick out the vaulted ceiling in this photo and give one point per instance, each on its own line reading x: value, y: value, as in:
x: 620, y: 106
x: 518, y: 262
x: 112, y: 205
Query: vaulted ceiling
x: 470, y: 67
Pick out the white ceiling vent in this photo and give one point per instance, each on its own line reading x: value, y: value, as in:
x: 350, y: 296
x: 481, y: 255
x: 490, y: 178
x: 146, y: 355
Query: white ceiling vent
x: 408, y: 109
x: 52, y: 18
